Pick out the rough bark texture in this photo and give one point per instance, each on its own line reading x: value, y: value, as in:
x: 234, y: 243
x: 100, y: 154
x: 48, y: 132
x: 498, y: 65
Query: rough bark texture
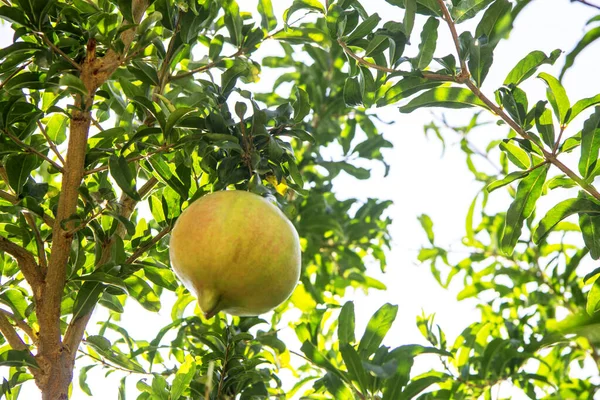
x: 55, y: 357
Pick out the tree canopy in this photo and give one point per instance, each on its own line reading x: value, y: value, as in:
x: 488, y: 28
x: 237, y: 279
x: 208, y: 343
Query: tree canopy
x: 116, y: 115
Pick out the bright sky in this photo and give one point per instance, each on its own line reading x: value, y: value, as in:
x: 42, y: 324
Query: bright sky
x: 421, y: 181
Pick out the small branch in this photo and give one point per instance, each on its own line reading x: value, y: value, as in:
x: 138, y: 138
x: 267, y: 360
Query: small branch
x: 108, y: 365
x: 85, y: 223
x: 148, y: 245
x: 97, y: 124
x: 452, y: 26
x: 587, y: 3
x: 30, y: 149
x: 204, y: 67
x: 8, y: 78
x: 38, y: 241
x: 50, y: 142
x: 557, y: 144
x: 132, y: 159
x: 26, y: 262
x: 10, y: 334
x: 57, y: 50
x: 21, y: 325
x: 8, y: 197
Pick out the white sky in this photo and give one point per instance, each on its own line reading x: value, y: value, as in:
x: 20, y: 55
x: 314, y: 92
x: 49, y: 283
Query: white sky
x: 420, y: 181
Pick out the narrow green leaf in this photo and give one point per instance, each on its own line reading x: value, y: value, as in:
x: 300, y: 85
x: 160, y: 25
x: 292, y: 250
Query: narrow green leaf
x: 517, y: 155
x: 557, y: 96
x: 301, y: 105
x: 18, y: 167
x: 17, y: 358
x: 85, y: 388
x: 175, y: 117
x: 590, y: 144
x: 346, y: 323
x: 429, y: 36
x: 73, y: 83
x: 354, y: 365
x: 590, y: 37
x: 405, y: 88
x: 310, y: 5
x: 529, y: 65
x: 582, y: 105
x: 593, y: 299
x: 447, y: 97
x: 467, y: 9
x: 233, y: 21
x: 377, y: 328
x: 353, y: 92
x: 143, y: 293
x: 561, y: 211
x: 87, y: 298
x: 268, y: 20
x: 481, y: 56
x: 410, y: 9
x: 513, y: 176
x: 418, y: 385
x: 544, y: 123
x: 119, y: 170
x: 314, y: 355
x: 528, y: 192
x: 590, y: 229
x: 427, y: 225
x: 492, y: 18
x: 183, y: 377
x: 365, y: 27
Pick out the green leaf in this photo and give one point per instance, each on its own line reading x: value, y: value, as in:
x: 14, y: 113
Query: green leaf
x: 268, y: 20
x: 233, y: 21
x: 557, y: 96
x: 310, y: 5
x: 301, y: 105
x: 215, y: 47
x: 378, y: 326
x: 354, y: 365
x: 492, y: 19
x: 408, y: 22
x: 18, y: 167
x: 143, y: 293
x: 314, y: 355
x: 427, y: 225
x: 590, y: 229
x: 467, y: 9
x: 74, y: 84
x: 517, y: 155
x: 529, y: 65
x: 125, y: 8
x: 481, y: 57
x: 304, y: 35
x: 593, y: 300
x: 544, y: 123
x: 429, y: 36
x: 83, y: 379
x: 513, y: 176
x: 590, y: 37
x: 175, y: 117
x: 119, y: 169
x: 561, y: 211
x: 183, y: 377
x: 353, y: 92
x: 582, y: 105
x: 346, y: 323
x: 528, y: 192
x: 418, y: 385
x: 425, y: 7
x: 405, y: 88
x: 87, y: 298
x: 365, y: 27
x: 590, y: 144
x: 17, y: 358
x: 447, y: 97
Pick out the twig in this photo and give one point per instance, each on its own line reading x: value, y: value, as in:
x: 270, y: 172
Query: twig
x: 11, y: 335
x: 8, y: 78
x: 26, y: 262
x: 587, y: 3
x: 38, y: 240
x: 97, y: 124
x: 59, y: 51
x: 204, y: 67
x: 31, y: 149
x: 8, y: 197
x: 21, y: 325
x: 452, y: 26
x: 87, y: 221
x: 141, y: 250
x: 108, y: 365
x: 50, y: 142
x: 132, y: 159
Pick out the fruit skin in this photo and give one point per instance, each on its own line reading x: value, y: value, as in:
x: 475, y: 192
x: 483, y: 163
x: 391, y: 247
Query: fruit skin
x: 237, y: 252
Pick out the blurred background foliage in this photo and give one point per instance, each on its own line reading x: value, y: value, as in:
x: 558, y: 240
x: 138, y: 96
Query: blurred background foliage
x: 179, y: 117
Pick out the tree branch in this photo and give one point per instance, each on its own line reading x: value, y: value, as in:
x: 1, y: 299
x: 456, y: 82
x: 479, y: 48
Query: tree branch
x: 587, y: 3
x: 31, y: 149
x: 8, y: 78
x: 133, y: 159
x: 38, y: 241
x: 50, y: 142
x: 452, y: 26
x: 141, y: 250
x: 21, y: 325
x: 11, y: 335
x: 26, y: 262
x: 58, y: 51
x: 204, y: 67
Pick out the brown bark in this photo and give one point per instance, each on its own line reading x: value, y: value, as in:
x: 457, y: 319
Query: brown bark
x: 55, y: 357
